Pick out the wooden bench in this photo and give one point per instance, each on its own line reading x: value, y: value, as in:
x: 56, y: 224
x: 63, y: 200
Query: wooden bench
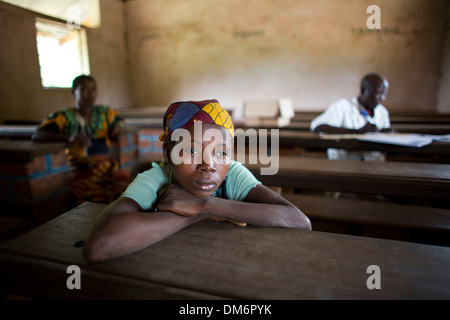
x: 376, y: 219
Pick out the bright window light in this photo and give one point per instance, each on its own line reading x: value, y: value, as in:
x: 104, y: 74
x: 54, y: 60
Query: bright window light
x: 82, y: 12
x: 62, y: 53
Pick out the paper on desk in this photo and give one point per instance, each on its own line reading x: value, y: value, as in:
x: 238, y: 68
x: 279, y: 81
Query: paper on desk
x: 402, y: 139
x: 442, y: 138
x: 409, y: 140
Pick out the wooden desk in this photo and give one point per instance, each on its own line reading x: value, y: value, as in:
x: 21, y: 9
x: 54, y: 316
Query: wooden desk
x: 425, y: 128
x: 293, y: 126
x: 213, y: 260
x: 311, y: 140
x: 22, y: 132
x: 376, y: 219
x: 396, y: 116
x: 35, y: 180
x: 427, y: 180
x: 24, y: 151
x: 424, y: 119
x: 436, y: 152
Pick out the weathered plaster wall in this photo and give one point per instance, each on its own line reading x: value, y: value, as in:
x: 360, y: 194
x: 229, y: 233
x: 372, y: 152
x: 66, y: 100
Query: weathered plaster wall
x: 21, y: 92
x: 312, y: 52
x: 151, y: 53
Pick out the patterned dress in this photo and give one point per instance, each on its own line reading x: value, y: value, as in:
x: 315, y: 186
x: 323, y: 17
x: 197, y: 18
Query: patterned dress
x: 94, y: 170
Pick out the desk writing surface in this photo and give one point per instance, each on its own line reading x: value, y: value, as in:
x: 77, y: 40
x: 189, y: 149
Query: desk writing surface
x: 306, y: 139
x: 25, y: 131
x: 376, y: 168
x: 388, y: 178
x: 314, y: 140
x: 430, y: 128
x: 220, y: 260
x: 25, y: 151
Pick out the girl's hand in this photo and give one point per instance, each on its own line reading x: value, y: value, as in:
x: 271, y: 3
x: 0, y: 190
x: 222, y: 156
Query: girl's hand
x: 177, y: 200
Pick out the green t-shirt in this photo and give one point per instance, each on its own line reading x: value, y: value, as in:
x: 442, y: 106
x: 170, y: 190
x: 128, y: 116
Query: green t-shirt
x: 237, y: 184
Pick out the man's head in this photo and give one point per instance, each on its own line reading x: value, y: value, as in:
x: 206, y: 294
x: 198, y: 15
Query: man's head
x: 198, y: 141
x: 374, y: 89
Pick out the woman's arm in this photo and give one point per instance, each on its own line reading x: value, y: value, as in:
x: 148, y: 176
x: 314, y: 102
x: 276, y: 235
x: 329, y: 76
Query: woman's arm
x: 261, y: 207
x: 46, y: 136
x: 123, y: 228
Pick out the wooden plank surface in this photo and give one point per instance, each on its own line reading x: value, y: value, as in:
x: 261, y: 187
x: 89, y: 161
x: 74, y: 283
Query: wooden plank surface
x: 410, y: 179
x: 304, y: 139
x: 220, y: 260
x: 380, y: 214
x: 314, y: 140
x: 396, y: 116
x: 423, y: 128
x: 19, y: 131
x: 25, y: 151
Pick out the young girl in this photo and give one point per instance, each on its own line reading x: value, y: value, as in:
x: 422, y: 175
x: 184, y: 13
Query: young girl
x: 198, y: 181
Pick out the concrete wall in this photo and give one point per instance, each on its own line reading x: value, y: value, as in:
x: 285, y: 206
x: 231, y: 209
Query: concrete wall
x: 151, y: 53
x: 21, y: 92
x: 444, y: 85
x: 312, y: 52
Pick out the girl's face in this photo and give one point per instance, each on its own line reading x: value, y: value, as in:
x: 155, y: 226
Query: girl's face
x: 204, y: 162
x: 86, y: 94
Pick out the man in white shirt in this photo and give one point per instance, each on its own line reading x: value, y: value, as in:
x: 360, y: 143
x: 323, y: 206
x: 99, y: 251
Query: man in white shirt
x: 361, y: 114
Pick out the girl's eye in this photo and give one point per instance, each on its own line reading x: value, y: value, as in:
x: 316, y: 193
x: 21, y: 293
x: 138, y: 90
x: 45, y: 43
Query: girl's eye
x: 191, y: 151
x: 222, y: 154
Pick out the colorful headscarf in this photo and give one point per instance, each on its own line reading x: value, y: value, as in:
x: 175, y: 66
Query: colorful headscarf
x: 182, y: 115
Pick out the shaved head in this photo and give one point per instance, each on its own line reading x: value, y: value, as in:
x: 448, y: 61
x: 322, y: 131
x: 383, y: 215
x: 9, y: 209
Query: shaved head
x: 374, y: 89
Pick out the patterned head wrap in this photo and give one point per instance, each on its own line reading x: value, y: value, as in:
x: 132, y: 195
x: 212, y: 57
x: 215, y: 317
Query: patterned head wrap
x: 182, y: 115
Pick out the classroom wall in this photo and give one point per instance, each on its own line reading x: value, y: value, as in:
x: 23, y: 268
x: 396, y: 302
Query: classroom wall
x: 444, y: 85
x: 151, y: 53
x: 312, y: 52
x: 22, y: 96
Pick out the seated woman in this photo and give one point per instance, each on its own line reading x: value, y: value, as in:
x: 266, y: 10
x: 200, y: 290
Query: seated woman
x: 88, y: 129
x: 197, y: 181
